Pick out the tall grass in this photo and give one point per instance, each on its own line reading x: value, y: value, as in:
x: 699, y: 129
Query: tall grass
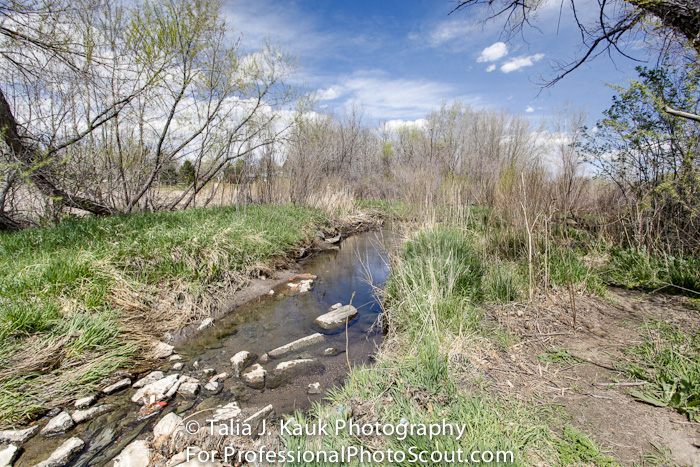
x: 433, y: 306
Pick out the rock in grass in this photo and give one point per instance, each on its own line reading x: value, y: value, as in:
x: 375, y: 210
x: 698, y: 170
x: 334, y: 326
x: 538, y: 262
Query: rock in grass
x: 18, y: 436
x: 124, y: 383
x: 136, y: 454
x: 337, y: 317
x: 162, y: 350
x: 59, y: 424
x: 241, y: 361
x: 298, y: 344
x: 65, y: 453
x: 80, y: 416
x: 85, y: 402
x: 254, y: 376
x: 152, y: 377
x: 8, y: 455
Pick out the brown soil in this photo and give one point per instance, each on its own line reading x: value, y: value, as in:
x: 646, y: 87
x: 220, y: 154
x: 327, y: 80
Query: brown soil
x: 626, y: 428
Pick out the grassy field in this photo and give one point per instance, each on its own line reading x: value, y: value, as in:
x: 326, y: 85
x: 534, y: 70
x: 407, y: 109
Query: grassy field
x: 79, y: 300
x: 424, y: 373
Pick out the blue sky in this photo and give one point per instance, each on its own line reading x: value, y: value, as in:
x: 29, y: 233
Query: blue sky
x: 400, y: 59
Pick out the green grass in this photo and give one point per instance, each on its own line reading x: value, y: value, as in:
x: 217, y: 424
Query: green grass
x: 68, y: 288
x: 638, y: 269
x: 669, y: 360
x: 433, y: 304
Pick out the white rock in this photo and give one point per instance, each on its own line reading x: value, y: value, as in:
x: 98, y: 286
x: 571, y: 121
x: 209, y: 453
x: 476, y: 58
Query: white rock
x: 85, y: 402
x: 8, y: 455
x: 136, y: 454
x: 205, y: 324
x: 124, y: 383
x: 64, y: 454
x: 330, y: 351
x: 59, y: 424
x: 18, y: 436
x: 167, y: 425
x: 219, y: 377
x: 208, y: 371
x: 227, y: 412
x: 162, y: 350
x: 254, y: 376
x: 195, y: 365
x: 188, y: 389
x: 80, y: 416
x: 271, y: 292
x: 152, y: 377
x: 197, y: 463
x: 337, y: 317
x: 298, y: 344
x: 255, y: 420
x: 175, y: 357
x: 240, y: 361
x: 213, y: 386
x: 178, y: 366
x: 174, y: 388
x: 157, y: 389
x: 291, y: 364
x: 314, y: 388
x: 264, y: 358
x: 335, y: 307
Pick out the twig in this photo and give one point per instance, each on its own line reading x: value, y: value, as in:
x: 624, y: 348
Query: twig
x: 631, y: 383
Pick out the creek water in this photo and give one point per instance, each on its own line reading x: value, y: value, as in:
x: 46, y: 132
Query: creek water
x: 352, y: 272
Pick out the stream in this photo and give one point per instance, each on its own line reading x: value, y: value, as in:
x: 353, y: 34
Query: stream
x: 352, y: 272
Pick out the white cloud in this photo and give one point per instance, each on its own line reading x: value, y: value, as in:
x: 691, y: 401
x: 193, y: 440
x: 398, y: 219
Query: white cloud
x: 493, y: 52
x: 385, y: 97
x: 530, y: 109
x: 520, y: 62
x: 394, y: 125
x: 490, y: 68
x: 445, y: 32
x: 329, y: 94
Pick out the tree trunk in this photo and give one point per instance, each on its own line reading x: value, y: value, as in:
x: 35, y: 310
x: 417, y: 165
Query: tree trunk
x: 41, y: 176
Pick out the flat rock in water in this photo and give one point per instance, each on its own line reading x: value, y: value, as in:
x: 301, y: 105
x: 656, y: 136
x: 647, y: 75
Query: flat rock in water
x: 285, y: 371
x: 59, y: 424
x: 137, y: 454
x: 188, y: 389
x: 205, y: 324
x: 162, y: 350
x: 337, y: 317
x: 241, y: 361
x: 18, y: 436
x: 156, y: 390
x: 152, y: 377
x: 121, y: 384
x: 65, y: 453
x: 298, y: 344
x: 8, y: 455
x: 254, y: 376
x: 214, y: 387
x: 85, y: 402
x: 80, y: 416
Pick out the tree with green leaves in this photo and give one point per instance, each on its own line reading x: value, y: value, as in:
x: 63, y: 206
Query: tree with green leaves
x: 652, y: 156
